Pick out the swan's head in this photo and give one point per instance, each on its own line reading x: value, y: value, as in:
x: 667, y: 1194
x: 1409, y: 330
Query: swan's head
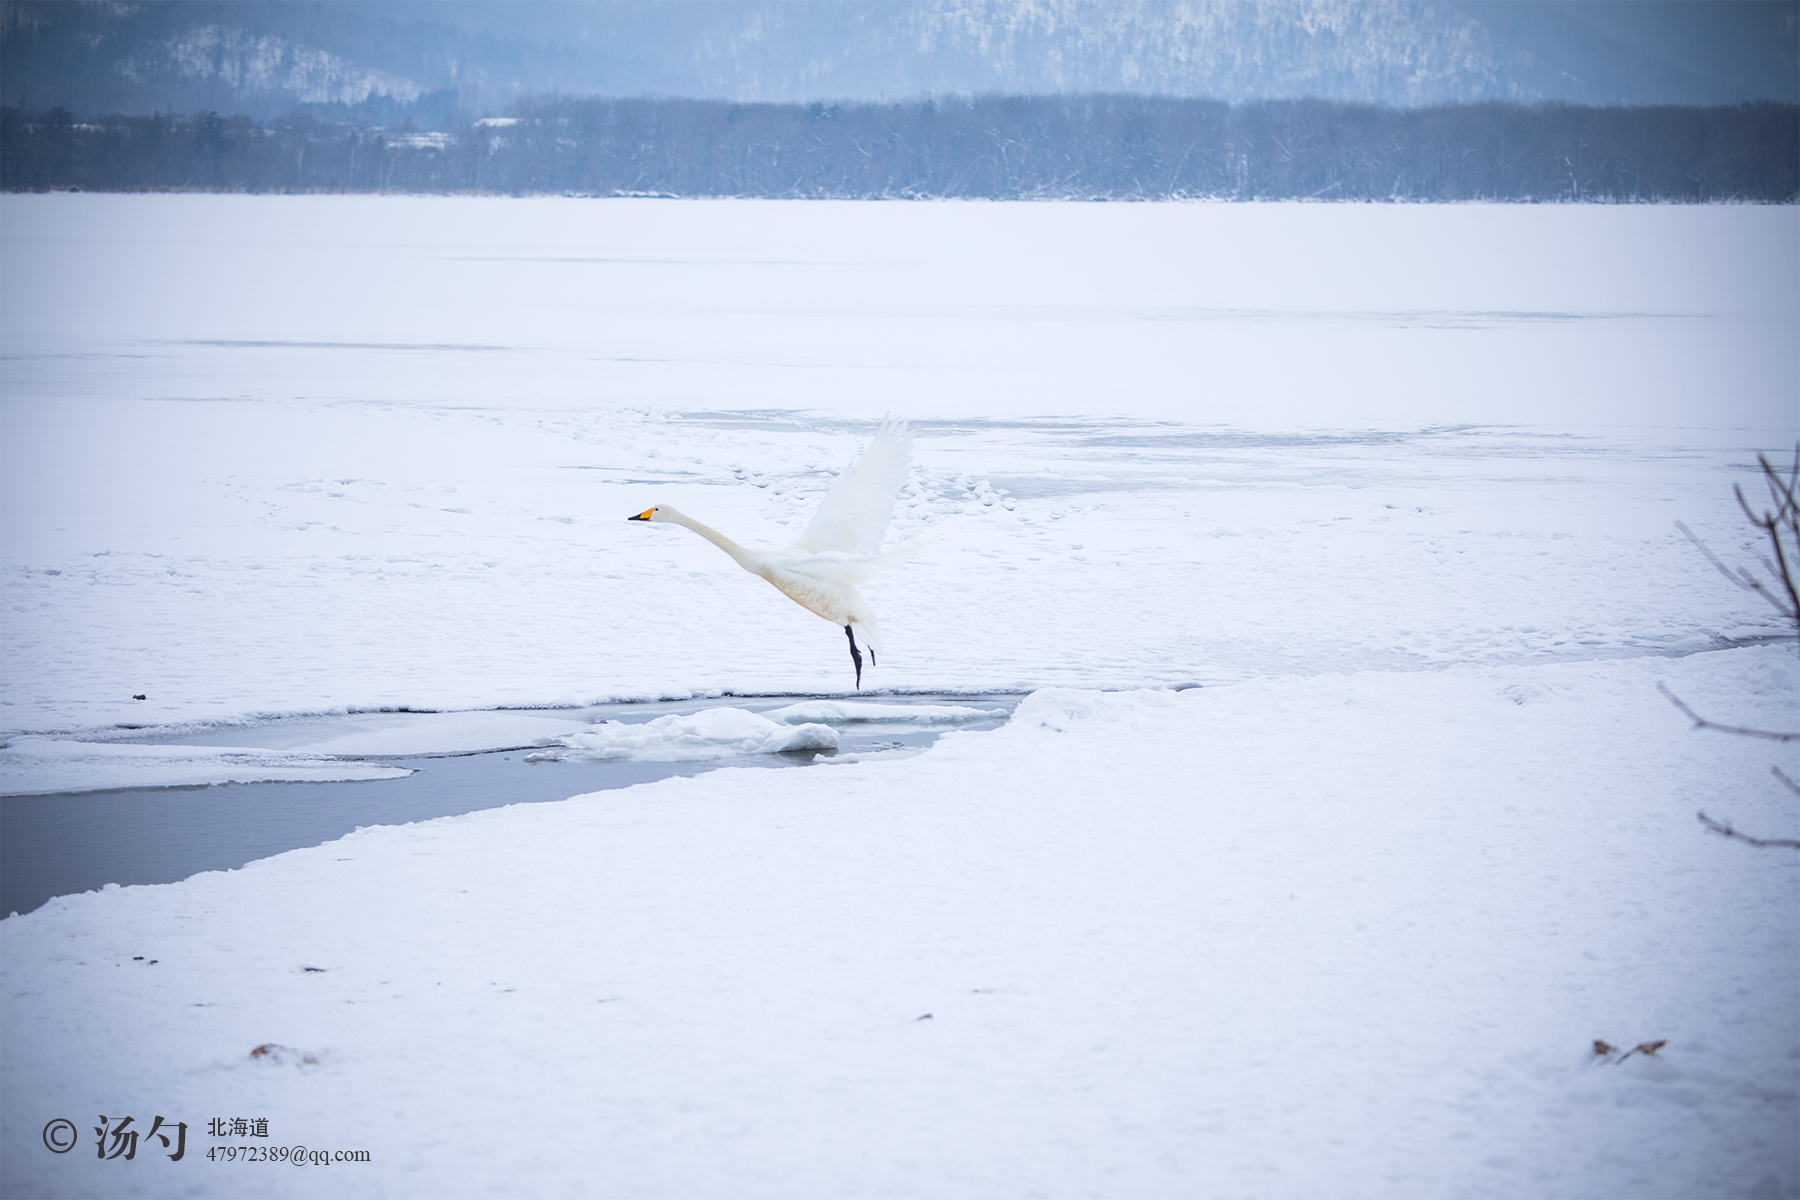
x: 660, y: 513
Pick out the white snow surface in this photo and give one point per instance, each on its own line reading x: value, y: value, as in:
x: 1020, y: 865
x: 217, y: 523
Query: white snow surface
x: 1396, y: 484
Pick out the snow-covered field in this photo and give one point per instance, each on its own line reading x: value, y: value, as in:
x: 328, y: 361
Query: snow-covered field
x: 1396, y: 484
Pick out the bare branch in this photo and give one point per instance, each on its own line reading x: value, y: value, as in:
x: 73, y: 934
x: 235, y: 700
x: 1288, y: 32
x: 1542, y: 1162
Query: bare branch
x: 1701, y: 722
x: 1738, y: 575
x: 1728, y: 572
x: 1724, y: 829
x: 1782, y: 526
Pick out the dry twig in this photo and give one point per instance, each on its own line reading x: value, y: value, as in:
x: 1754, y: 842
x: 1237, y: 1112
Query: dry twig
x: 1781, y: 525
x: 1724, y: 829
x: 1701, y: 722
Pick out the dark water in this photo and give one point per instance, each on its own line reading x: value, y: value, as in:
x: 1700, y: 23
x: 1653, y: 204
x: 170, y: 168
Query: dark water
x: 58, y: 844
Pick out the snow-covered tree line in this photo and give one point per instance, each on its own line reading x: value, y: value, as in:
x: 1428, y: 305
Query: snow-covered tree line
x: 995, y: 147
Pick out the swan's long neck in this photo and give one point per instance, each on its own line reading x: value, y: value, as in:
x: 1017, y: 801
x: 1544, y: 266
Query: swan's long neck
x: 747, y: 559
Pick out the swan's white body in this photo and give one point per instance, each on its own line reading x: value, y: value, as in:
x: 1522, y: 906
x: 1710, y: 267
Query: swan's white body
x: 839, y: 548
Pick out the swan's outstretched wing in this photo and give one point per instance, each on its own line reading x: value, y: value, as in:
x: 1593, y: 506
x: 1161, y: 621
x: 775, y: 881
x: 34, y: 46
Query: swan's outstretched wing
x: 853, y: 517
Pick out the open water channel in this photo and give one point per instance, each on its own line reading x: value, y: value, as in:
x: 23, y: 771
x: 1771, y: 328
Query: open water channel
x: 60, y: 843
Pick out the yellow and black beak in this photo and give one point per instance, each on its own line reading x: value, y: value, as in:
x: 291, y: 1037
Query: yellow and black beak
x: 643, y: 516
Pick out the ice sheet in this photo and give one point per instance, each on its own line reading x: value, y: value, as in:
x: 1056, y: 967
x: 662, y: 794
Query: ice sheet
x: 395, y: 735
x: 31, y: 765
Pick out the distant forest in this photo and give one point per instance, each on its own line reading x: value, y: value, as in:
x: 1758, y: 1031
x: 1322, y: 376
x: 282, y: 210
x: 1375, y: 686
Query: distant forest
x: 992, y: 147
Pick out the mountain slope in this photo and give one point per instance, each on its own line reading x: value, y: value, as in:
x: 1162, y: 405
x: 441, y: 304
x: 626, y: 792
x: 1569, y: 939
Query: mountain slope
x: 386, y: 59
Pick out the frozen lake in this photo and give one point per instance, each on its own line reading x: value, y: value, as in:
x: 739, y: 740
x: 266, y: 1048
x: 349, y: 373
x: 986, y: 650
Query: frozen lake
x: 286, y: 454
x: 1396, y: 484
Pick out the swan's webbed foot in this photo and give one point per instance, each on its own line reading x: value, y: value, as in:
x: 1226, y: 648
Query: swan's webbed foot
x: 856, y: 655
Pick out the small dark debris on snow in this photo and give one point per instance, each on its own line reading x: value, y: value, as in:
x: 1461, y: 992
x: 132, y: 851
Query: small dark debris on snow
x: 1645, y: 1048
x: 275, y: 1052
x: 1605, y: 1050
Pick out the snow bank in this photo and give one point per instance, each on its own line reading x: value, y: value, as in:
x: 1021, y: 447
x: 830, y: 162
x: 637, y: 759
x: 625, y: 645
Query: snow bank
x: 32, y: 765
x: 1061, y: 709
x: 694, y: 737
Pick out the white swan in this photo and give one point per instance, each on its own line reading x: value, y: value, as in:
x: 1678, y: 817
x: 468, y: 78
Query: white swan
x: 841, y: 545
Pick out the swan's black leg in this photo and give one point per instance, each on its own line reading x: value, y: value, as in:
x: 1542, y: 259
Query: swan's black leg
x: 856, y: 655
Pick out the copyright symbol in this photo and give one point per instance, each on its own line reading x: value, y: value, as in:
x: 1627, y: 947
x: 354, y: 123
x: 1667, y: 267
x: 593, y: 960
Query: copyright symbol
x: 59, y: 1136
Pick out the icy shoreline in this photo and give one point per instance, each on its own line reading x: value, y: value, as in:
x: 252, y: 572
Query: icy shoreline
x: 299, y: 748
x: 81, y: 814
x: 1003, y: 968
